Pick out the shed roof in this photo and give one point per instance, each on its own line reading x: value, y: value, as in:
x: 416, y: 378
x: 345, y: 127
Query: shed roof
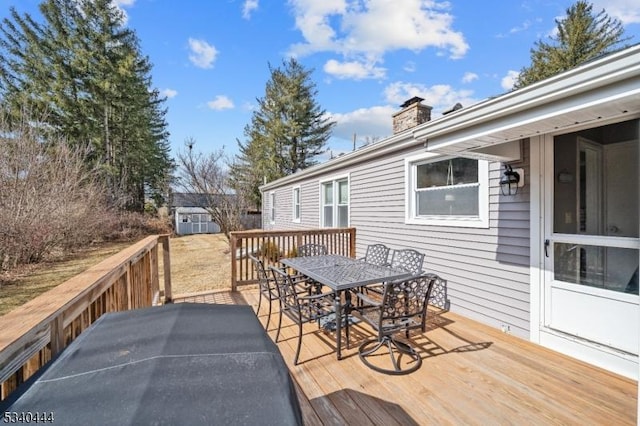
x: 189, y: 199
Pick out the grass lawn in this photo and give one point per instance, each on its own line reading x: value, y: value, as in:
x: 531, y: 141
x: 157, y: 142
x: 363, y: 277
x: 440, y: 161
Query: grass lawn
x: 198, y: 263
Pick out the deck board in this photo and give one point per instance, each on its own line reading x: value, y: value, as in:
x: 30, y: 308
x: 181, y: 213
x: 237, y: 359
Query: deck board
x: 471, y: 374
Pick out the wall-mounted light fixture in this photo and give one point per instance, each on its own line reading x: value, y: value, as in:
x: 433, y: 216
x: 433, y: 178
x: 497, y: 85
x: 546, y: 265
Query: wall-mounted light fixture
x: 565, y: 176
x: 511, y: 180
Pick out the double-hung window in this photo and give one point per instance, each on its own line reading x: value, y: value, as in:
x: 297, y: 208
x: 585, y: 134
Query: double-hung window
x: 449, y: 191
x: 334, y: 197
x: 272, y: 207
x: 296, y: 204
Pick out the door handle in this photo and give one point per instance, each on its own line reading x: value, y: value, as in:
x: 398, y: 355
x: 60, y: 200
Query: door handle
x: 546, y: 248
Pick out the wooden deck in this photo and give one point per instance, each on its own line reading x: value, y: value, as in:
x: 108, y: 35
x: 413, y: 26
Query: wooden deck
x: 471, y: 374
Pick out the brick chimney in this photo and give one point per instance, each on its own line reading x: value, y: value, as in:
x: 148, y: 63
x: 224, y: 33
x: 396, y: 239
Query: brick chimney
x: 413, y: 113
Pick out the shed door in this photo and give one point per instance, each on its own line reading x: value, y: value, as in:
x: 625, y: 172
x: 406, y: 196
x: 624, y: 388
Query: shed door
x: 591, y: 236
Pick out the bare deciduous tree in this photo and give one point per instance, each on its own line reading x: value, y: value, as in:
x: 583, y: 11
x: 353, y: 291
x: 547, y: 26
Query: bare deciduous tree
x: 208, y: 176
x: 48, y: 198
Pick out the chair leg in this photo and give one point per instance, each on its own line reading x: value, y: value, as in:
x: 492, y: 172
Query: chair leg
x: 259, y: 301
x: 295, y: 360
x: 372, y: 350
x: 394, y: 362
x: 393, y: 347
x: 268, y: 317
x: 346, y: 326
x: 279, y: 321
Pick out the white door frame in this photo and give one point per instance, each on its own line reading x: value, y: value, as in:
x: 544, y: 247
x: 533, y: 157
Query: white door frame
x: 541, y: 176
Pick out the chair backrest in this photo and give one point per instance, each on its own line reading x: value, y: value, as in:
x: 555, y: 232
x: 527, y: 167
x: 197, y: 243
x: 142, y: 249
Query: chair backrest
x: 404, y: 304
x: 409, y: 260
x: 377, y: 254
x: 312, y: 249
x: 263, y: 278
x: 287, y: 291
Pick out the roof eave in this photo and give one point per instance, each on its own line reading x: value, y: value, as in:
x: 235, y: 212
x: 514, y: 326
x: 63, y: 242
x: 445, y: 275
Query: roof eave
x: 615, y: 67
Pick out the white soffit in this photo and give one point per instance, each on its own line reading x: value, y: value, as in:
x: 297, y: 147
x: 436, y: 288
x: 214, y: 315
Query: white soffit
x: 560, y: 116
x: 602, y: 90
x: 504, y: 152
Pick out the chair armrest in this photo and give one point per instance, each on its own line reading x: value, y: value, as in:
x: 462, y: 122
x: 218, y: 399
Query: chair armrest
x: 367, y: 300
x: 316, y: 296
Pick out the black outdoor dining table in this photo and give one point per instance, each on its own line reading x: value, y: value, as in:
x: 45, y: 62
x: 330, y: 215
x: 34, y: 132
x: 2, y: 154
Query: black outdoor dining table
x: 177, y: 364
x: 340, y: 274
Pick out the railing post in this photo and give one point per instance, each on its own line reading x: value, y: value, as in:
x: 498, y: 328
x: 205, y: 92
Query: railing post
x: 166, y: 265
x: 128, y: 280
x: 352, y: 242
x: 57, y: 335
x: 234, y: 265
x: 154, y: 272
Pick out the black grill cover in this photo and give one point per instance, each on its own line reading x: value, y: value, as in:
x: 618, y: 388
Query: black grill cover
x: 177, y: 364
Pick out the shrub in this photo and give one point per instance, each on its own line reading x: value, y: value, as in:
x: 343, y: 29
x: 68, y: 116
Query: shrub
x: 293, y: 252
x: 52, y: 201
x: 271, y: 251
x: 49, y: 198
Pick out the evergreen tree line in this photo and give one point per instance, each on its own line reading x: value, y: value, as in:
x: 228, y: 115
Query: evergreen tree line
x: 81, y: 72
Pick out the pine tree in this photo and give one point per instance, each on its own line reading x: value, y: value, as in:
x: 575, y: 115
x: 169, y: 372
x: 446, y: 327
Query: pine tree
x: 581, y: 36
x: 287, y: 131
x: 84, y: 69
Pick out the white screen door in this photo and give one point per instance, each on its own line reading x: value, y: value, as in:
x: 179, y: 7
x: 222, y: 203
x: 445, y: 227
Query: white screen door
x: 591, y: 236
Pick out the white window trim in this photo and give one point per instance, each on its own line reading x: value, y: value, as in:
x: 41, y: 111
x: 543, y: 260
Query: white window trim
x: 272, y: 207
x: 335, y: 197
x: 293, y: 203
x: 481, y: 221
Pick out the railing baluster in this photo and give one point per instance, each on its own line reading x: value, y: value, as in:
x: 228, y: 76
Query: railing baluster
x: 337, y: 240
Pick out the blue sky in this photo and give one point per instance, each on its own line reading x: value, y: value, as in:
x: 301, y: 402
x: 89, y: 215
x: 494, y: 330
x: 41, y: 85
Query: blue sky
x: 211, y: 57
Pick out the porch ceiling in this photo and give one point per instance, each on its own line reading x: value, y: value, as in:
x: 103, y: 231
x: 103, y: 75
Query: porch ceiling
x: 601, y: 91
x: 561, y: 117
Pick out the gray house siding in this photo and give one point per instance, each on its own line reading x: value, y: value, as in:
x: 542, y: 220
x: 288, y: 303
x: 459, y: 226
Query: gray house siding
x: 487, y: 270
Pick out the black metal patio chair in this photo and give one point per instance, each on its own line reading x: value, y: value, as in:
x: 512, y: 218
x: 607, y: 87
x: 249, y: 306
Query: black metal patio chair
x: 312, y: 249
x: 409, y: 260
x: 377, y: 254
x: 403, y: 308
x: 269, y: 290
x: 267, y: 287
x: 300, y: 308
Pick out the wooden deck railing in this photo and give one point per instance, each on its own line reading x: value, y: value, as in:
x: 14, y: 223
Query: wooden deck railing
x: 274, y: 245
x: 34, y: 333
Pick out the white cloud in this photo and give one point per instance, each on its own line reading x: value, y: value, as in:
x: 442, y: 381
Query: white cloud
x: 376, y: 122
x: 366, y: 31
x: 410, y: 66
x: 523, y: 27
x: 509, y: 80
x: 248, y: 7
x: 220, y: 103
x: 202, y: 53
x: 627, y: 11
x: 365, y: 123
x: 353, y: 70
x: 169, y: 93
x: 441, y: 96
x: 468, y: 77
